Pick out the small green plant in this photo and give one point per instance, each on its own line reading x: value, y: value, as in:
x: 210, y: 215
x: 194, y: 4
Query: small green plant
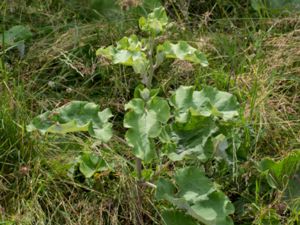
x: 284, y: 176
x: 15, y: 37
x: 187, y: 129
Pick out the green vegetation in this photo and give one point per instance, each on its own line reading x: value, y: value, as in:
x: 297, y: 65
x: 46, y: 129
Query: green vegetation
x: 192, y: 117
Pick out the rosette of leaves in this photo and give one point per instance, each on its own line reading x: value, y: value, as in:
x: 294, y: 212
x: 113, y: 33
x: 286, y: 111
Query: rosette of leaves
x: 128, y: 51
x: 155, y: 23
x: 192, y: 193
x: 77, y: 116
x: 195, y: 133
x: 145, y: 118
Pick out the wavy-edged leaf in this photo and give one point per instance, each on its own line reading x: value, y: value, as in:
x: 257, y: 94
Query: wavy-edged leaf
x: 128, y: 52
x: 183, y: 51
x: 192, y: 191
x: 77, y: 116
x: 215, y: 210
x: 144, y: 122
x: 189, y: 140
x: 155, y: 23
x: 207, y: 102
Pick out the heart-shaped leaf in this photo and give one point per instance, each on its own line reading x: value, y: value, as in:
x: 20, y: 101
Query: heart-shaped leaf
x: 75, y: 117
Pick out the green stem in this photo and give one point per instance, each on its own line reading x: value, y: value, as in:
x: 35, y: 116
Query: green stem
x: 151, y: 63
x: 139, y: 193
x: 138, y: 164
x: 139, y: 161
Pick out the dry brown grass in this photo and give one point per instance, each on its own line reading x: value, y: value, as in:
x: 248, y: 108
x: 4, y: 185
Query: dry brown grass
x: 276, y: 79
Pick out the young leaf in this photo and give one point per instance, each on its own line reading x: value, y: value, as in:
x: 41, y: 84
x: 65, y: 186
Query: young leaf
x: 90, y: 163
x: 197, y: 196
x: 183, y: 51
x: 207, y: 102
x: 282, y: 170
x: 128, y: 52
x: 155, y: 23
x: 75, y: 117
x: 284, y: 175
x: 144, y: 122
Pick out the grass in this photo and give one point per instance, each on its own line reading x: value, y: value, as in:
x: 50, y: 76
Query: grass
x: 253, y: 57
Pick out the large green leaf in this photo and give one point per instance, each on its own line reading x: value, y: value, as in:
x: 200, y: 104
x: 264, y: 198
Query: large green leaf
x: 155, y: 23
x: 192, y: 191
x: 176, y: 217
x: 144, y: 122
x: 183, y: 51
x: 191, y: 139
x: 207, y: 102
x: 75, y: 117
x: 191, y: 135
x: 128, y: 52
